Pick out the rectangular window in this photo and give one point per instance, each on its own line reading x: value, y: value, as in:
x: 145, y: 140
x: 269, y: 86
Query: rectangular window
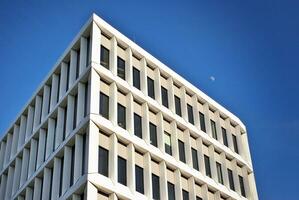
x: 235, y: 143
x: 153, y: 134
x: 121, y: 68
x: 214, y: 131
x: 164, y: 94
x: 195, y: 159
x: 121, y: 116
x: 198, y: 198
x: 150, y: 87
x: 190, y: 114
x: 75, y: 111
x: 178, y: 108
x: 231, y: 179
x: 72, y: 166
x: 122, y: 170
x: 139, y: 180
x: 136, y: 78
x: 242, y: 187
x: 137, y: 125
x: 182, y: 151
x: 208, y: 166
x: 202, y: 122
x: 104, y: 57
x: 78, y: 64
x: 156, y: 187
x: 224, y: 136
x: 103, y: 161
x: 170, y: 190
x: 185, y: 195
x: 219, y: 172
x: 167, y: 139
x: 104, y: 105
x: 61, y: 176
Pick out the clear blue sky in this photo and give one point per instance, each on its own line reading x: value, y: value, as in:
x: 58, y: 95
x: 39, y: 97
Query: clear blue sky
x: 250, y: 47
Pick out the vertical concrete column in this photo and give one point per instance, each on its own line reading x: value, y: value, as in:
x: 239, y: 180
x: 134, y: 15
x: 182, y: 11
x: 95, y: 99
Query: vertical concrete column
x: 54, y: 91
x: 50, y: 137
x: 32, y: 158
x: 56, y: 178
x: 229, y: 134
x: 24, y: 170
x: 191, y: 188
x: 174, y: 140
x: 73, y: 66
x: 76, y: 197
x: 184, y: 103
x: 145, y: 123
x: 8, y: 148
x: 113, y: 158
x: 41, y: 147
x: 29, y: 193
x: 246, y: 181
x: 163, y: 180
x: 206, y: 111
x: 160, y: 131
x: 212, y: 161
x: 148, y: 190
x: 157, y: 85
x: 129, y: 67
x: 63, y: 79
x: 217, y: 195
x: 113, y: 196
x: 113, y: 103
x: 66, y: 168
x: 200, y: 155
x: 94, y: 92
x: 91, y: 191
x: 2, y: 153
x: 130, y: 113
x: 171, y: 94
x: 83, y: 54
x: 22, y: 131
x: 93, y: 143
x: 131, y: 167
x: 78, y: 157
x: 204, y: 191
x: 37, y: 193
x: 253, y: 192
x: 224, y: 169
x: 37, y: 111
x: 3, y: 185
x: 187, y: 139
x: 218, y: 126
x: 70, y: 114
x: 17, y: 175
x: 178, y: 185
x: 81, y: 102
x: 195, y: 111
x: 245, y: 146
x: 113, y: 56
x: 46, y: 101
x: 143, y: 76
x: 60, y: 126
x: 235, y: 176
x: 46, y: 184
x: 29, y: 126
x: 10, y: 176
x: 95, y: 44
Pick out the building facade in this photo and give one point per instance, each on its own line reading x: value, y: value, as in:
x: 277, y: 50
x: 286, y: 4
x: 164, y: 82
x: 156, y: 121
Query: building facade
x: 110, y: 121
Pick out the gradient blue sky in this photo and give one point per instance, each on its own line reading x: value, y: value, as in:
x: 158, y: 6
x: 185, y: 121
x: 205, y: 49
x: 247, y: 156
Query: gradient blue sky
x: 250, y: 47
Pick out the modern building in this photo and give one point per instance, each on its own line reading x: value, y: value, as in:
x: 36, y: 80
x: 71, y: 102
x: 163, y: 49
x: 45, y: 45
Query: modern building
x: 110, y: 121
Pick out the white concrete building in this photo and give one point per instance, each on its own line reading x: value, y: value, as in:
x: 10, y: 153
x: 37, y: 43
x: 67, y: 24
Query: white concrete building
x: 110, y: 121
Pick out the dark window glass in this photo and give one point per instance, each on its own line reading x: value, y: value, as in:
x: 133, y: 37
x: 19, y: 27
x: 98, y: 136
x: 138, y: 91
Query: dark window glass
x: 207, y: 166
x: 213, y: 127
x: 153, y: 134
x: 185, y: 195
x: 137, y: 125
x: 235, y: 144
x: 171, y: 192
x: 61, y: 176
x: 202, y: 122
x: 219, y: 172
x: 75, y: 112
x: 195, y: 159
x: 136, y: 78
x: 231, y: 179
x: 121, y: 68
x: 78, y: 64
x: 121, y: 116
x: 87, y: 51
x: 241, y: 180
x: 85, y: 99
x: 104, y: 105
x: 103, y: 161
x: 156, y: 187
x: 198, y: 198
x: 139, y: 179
x: 84, y: 154
x: 182, y: 151
x: 190, y: 114
x: 150, y: 87
x: 72, y: 166
x: 164, y: 94
x: 122, y: 170
x: 67, y: 76
x: 167, y: 139
x: 177, y: 102
x: 224, y: 136
x: 104, y: 57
